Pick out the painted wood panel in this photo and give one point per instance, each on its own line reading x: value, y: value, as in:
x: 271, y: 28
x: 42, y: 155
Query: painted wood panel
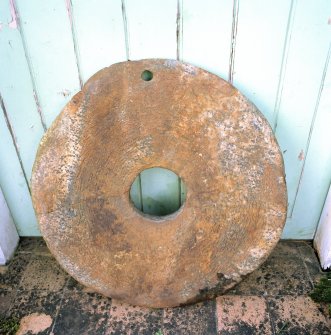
x: 259, y: 48
x: 200, y: 20
x: 151, y: 27
x: 98, y: 33
x: 151, y: 32
x: 274, y: 51
x: 305, y: 64
x: 135, y: 193
x: 316, y: 174
x: 16, y: 89
x: 8, y: 234
x: 322, y: 238
x: 160, y: 191
x: 47, y: 35
x: 13, y: 184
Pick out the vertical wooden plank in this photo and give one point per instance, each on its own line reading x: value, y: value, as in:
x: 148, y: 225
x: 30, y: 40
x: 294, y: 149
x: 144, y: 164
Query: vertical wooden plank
x: 159, y: 191
x: 310, y: 37
x: 207, y: 29
x: 316, y: 175
x: 8, y: 233
x: 183, y: 192
x: 235, y: 13
x: 322, y: 239
x: 152, y: 33
x: 135, y: 193
x: 98, y: 34
x: 179, y: 30
x: 13, y: 184
x: 261, y: 34
x: 152, y: 28
x: 16, y: 89
x: 47, y: 36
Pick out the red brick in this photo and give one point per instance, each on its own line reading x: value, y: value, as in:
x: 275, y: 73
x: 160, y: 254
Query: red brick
x: 243, y: 315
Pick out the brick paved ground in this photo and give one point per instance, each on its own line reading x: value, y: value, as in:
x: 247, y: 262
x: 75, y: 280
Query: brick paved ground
x: 272, y: 300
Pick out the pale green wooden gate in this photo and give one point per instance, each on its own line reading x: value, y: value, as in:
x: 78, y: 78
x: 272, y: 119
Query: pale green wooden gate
x: 276, y: 52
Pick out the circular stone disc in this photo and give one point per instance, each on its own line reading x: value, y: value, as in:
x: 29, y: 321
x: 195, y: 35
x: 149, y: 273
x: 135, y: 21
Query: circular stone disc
x: 184, y: 119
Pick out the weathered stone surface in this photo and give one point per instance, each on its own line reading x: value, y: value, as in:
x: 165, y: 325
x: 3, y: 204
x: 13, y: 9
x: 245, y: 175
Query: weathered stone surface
x: 186, y: 120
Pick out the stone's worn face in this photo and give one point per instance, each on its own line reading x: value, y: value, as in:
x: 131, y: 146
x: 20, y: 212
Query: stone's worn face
x: 159, y: 113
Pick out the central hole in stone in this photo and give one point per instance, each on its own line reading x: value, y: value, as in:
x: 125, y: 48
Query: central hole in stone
x: 157, y: 191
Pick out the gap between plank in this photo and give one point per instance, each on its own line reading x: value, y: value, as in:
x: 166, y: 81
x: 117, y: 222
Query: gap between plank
x: 11, y: 131
x: 126, y: 30
x: 283, y: 65
x: 179, y: 57
x: 327, y: 61
x: 27, y: 58
x: 179, y: 30
x: 140, y: 192
x: 235, y: 13
x: 69, y: 7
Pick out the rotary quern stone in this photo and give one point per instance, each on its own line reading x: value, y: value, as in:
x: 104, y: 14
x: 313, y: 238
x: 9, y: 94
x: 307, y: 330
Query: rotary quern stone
x: 159, y: 113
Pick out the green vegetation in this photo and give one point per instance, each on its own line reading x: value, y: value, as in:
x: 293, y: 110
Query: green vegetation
x: 283, y: 329
x: 9, y: 325
x: 322, y: 291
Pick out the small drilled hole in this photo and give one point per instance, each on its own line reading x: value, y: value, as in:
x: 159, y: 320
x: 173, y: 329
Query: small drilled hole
x: 146, y: 75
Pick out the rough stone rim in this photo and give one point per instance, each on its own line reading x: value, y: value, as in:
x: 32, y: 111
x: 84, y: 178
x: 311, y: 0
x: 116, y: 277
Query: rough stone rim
x: 226, y: 282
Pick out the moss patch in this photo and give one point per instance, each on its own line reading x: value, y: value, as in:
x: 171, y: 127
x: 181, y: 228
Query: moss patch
x: 9, y: 325
x: 322, y: 291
